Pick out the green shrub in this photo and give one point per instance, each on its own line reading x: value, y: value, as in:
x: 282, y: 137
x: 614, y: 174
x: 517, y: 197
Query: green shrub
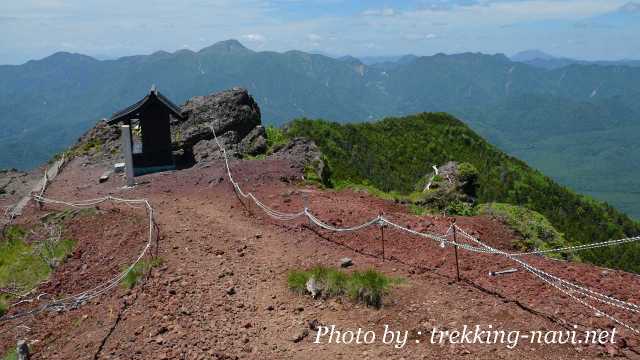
x: 417, y: 210
x: 133, y: 277
x: 467, y: 172
x: 368, y: 287
x: 275, y: 138
x: 459, y: 208
x: 468, y: 176
x: 536, y: 231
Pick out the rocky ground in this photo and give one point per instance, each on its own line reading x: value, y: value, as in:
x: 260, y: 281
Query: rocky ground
x: 221, y: 292
x: 14, y: 184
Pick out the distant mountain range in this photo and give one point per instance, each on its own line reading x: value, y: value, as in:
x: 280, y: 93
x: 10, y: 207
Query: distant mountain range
x: 577, y: 123
x: 543, y: 60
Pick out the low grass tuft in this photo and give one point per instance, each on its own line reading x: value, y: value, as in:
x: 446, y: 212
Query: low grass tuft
x: 23, y: 266
x: 134, y: 276
x: 28, y: 256
x: 11, y: 354
x: 368, y: 287
x: 297, y: 281
x: 4, y: 304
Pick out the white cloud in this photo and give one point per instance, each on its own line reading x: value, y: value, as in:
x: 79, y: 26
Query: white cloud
x: 254, y: 37
x: 500, y: 12
x: 416, y: 37
x: 380, y: 12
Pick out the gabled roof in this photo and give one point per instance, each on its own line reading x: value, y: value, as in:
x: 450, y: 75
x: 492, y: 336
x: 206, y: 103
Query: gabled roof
x: 153, y: 94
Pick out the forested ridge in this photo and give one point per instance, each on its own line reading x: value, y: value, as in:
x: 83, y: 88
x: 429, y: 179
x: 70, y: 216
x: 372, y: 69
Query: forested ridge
x: 394, y: 153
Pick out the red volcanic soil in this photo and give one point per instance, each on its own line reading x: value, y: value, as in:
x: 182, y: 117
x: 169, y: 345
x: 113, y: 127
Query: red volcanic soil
x: 211, y: 242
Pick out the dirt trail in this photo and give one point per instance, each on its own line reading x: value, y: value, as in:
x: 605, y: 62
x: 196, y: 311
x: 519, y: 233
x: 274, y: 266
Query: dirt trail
x: 221, y: 292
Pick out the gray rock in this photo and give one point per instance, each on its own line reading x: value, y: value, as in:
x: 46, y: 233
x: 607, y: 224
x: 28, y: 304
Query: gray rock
x: 302, y: 153
x: 255, y: 142
x: 230, y: 110
x: 22, y: 350
x: 300, y: 336
x: 207, y: 150
x: 313, y: 287
x: 314, y: 324
x: 346, y: 262
x: 104, y: 177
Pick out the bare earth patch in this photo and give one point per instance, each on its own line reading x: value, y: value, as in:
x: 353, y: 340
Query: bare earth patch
x: 211, y: 243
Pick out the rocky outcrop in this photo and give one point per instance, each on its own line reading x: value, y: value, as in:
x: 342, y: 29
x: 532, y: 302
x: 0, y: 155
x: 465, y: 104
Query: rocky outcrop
x: 255, y: 142
x: 102, y: 142
x: 451, y: 183
x: 304, y: 154
x: 235, y: 117
x: 233, y: 114
x: 207, y: 150
x: 14, y: 181
x: 99, y: 145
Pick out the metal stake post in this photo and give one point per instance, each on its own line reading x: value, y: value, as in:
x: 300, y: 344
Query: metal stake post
x: 382, y: 235
x: 455, y: 247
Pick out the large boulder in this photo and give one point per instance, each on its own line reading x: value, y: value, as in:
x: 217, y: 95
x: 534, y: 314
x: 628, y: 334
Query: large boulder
x: 235, y: 117
x: 207, y: 150
x: 229, y: 110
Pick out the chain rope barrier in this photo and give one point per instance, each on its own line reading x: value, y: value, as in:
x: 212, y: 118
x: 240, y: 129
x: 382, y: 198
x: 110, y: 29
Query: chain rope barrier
x: 566, y: 287
x: 569, y: 288
x: 74, y: 301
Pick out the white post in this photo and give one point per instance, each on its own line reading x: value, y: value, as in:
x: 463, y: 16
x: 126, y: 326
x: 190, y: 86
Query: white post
x: 126, y: 151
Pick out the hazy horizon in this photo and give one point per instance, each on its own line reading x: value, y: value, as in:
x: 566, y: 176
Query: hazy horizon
x: 579, y: 29
x: 364, y: 57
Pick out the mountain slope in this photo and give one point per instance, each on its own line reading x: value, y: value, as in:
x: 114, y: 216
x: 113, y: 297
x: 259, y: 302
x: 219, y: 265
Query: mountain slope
x: 46, y: 104
x: 395, y: 153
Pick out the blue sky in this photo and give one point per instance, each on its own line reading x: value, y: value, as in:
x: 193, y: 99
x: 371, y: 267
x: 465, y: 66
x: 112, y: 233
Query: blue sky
x: 586, y: 29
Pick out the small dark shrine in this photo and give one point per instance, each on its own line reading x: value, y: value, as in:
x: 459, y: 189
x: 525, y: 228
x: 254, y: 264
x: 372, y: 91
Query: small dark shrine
x: 149, y: 122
